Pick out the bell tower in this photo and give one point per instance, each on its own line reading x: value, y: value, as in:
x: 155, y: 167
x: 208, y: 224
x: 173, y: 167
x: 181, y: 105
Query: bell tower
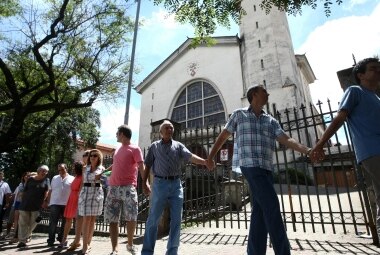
x: 268, y: 56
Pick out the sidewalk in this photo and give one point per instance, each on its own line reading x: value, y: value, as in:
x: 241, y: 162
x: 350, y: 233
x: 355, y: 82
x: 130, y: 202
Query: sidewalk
x: 212, y: 241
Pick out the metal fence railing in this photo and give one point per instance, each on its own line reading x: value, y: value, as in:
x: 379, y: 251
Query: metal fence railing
x: 329, y: 196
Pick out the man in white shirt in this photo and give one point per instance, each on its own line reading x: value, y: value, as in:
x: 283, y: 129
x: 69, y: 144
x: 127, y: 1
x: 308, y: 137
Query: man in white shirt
x: 57, y: 200
x: 5, y: 193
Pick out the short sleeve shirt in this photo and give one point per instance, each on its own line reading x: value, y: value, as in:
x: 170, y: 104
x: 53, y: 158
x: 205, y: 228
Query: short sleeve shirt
x: 34, y: 194
x: 363, y: 107
x: 60, y: 189
x: 166, y: 159
x: 4, y: 189
x: 255, y: 137
x: 124, y: 166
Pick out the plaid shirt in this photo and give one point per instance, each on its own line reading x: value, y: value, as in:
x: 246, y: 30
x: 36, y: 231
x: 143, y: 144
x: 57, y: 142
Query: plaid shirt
x: 166, y: 158
x: 255, y: 137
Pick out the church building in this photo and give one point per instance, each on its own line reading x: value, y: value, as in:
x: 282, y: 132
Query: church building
x: 202, y: 86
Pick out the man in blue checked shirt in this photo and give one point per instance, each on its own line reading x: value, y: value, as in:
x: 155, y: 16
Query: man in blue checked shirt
x: 164, y: 158
x: 256, y: 133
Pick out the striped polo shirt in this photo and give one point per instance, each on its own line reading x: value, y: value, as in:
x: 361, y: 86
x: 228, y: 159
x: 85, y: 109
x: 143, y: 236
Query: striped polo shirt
x: 166, y: 159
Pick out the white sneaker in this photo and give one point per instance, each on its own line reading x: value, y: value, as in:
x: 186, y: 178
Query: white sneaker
x: 132, y: 249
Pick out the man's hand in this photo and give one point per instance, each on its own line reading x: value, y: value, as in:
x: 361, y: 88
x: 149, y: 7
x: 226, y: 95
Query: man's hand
x: 317, y: 154
x: 210, y: 164
x: 146, y: 188
x: 45, y: 204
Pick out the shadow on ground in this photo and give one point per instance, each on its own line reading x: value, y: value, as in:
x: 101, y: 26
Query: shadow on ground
x: 297, y: 245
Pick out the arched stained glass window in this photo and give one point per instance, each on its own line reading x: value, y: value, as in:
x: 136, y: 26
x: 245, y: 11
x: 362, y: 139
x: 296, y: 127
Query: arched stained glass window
x: 198, y: 105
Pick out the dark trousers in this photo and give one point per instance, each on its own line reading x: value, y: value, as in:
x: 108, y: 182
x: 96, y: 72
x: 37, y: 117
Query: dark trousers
x: 266, y: 214
x: 56, y: 213
x: 2, y: 212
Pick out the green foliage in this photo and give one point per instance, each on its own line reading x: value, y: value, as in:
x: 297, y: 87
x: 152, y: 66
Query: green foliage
x: 206, y: 15
x: 9, y: 8
x: 56, y: 145
x: 61, y: 55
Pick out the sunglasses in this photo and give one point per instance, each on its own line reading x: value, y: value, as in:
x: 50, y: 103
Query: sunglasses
x: 93, y: 156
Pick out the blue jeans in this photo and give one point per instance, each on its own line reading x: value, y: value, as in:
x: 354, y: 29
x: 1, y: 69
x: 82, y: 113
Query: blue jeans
x: 56, y: 212
x: 164, y: 192
x: 266, y: 215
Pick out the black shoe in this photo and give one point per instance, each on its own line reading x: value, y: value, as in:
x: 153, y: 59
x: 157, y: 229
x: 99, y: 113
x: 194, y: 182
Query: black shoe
x: 21, y: 245
x: 50, y: 244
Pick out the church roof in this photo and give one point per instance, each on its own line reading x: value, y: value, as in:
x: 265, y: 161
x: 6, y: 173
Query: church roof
x: 183, y: 48
x: 305, y: 67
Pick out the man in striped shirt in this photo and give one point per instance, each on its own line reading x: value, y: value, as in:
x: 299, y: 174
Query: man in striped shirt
x: 165, y: 158
x: 256, y: 133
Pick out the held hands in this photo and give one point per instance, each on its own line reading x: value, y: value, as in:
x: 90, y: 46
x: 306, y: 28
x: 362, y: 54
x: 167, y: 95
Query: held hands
x: 146, y: 188
x: 45, y: 204
x: 210, y: 164
x: 316, y: 154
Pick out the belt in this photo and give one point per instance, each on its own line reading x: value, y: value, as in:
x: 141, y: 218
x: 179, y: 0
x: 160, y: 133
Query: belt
x: 175, y: 177
x: 91, y: 184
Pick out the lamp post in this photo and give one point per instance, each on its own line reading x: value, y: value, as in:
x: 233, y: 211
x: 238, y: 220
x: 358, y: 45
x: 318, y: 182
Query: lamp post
x: 126, y: 116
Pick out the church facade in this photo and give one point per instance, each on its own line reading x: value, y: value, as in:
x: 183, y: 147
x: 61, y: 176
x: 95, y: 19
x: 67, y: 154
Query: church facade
x: 201, y: 86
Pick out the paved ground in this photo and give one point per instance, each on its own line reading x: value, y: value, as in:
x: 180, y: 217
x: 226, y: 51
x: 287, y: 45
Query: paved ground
x: 214, y: 241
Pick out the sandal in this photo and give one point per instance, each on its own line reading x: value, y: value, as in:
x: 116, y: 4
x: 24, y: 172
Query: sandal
x: 73, y: 246
x: 85, y: 252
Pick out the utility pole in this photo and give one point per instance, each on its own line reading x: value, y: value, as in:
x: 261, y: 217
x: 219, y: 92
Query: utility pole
x: 126, y: 116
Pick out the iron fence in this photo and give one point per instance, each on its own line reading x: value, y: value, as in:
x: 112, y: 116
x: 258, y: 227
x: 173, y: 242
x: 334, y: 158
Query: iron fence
x: 329, y: 196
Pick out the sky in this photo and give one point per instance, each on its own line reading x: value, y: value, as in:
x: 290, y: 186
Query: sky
x: 328, y: 42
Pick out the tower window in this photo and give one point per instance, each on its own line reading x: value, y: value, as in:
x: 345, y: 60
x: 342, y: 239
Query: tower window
x: 152, y: 95
x: 262, y: 63
x: 259, y: 43
x: 151, y: 109
x: 254, y: 8
x: 257, y: 24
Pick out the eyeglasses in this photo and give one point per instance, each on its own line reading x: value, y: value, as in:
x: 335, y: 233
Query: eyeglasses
x: 93, y: 156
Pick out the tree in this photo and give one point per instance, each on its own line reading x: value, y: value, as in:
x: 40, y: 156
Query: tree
x: 60, y: 55
x: 206, y: 15
x: 57, y: 145
x: 9, y: 8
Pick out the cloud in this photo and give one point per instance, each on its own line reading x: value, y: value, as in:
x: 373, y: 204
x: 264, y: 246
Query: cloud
x: 163, y: 19
x: 329, y: 48
x: 112, y: 116
x: 354, y: 3
x: 160, y: 34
